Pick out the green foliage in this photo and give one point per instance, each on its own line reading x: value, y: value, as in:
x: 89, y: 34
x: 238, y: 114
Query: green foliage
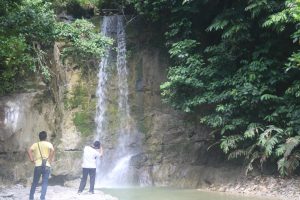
x: 63, y: 4
x: 83, y: 42
x: 80, y: 101
x: 151, y: 8
x: 84, y: 121
x: 11, y: 64
x: 235, y: 64
x: 88, y: 3
x: 25, y: 27
x: 28, y: 30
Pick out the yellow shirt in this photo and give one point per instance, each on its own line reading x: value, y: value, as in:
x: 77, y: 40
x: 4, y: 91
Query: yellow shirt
x: 45, y: 148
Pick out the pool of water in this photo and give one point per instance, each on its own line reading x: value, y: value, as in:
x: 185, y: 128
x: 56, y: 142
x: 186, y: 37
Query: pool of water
x: 170, y: 194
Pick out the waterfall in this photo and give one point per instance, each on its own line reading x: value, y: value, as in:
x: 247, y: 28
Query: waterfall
x: 114, y: 168
x: 102, y: 81
x: 122, y: 73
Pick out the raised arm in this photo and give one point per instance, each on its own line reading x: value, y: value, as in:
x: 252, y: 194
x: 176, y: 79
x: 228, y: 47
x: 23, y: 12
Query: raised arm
x: 101, y: 151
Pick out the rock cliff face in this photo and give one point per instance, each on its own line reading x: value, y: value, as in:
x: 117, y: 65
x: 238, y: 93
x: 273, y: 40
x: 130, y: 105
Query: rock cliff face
x: 174, y: 146
x: 22, y: 116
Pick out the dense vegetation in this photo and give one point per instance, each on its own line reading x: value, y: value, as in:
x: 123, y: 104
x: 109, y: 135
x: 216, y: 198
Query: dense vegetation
x: 235, y: 64
x: 28, y: 31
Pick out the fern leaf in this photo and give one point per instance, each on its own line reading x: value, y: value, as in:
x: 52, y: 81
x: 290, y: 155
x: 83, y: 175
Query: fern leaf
x: 252, y: 130
x: 254, y: 157
x: 268, y: 97
x: 287, y: 165
x: 237, y: 153
x: 281, y: 149
x: 230, y: 142
x: 218, y: 24
x: 290, y: 145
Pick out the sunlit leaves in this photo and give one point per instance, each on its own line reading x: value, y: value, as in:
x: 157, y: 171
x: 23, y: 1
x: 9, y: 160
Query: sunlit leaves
x: 266, y: 97
x: 219, y: 24
x: 181, y: 49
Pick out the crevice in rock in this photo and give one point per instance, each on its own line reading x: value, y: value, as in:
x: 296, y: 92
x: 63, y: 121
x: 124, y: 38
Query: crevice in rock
x: 57, y: 180
x: 8, y: 152
x: 73, y: 150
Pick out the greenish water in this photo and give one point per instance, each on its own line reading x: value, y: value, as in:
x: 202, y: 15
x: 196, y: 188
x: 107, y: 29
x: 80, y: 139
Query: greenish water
x: 170, y: 194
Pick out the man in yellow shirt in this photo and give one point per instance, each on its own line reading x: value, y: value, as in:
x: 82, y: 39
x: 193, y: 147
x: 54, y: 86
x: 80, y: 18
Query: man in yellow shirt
x: 37, y: 152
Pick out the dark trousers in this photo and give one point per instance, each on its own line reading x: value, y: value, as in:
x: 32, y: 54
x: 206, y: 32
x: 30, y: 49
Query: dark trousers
x: 85, y: 172
x: 38, y: 172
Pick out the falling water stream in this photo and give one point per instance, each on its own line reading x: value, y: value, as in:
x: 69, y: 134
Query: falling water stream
x: 113, y: 169
x: 102, y: 82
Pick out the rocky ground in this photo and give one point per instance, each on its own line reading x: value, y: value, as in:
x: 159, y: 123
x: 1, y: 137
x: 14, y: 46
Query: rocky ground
x: 263, y: 186
x: 19, y: 192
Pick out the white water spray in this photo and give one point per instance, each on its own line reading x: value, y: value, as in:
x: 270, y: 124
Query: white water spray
x: 102, y: 82
x: 113, y: 169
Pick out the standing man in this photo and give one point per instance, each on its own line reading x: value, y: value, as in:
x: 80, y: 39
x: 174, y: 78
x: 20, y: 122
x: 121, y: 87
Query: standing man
x: 90, y: 155
x: 38, y: 152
